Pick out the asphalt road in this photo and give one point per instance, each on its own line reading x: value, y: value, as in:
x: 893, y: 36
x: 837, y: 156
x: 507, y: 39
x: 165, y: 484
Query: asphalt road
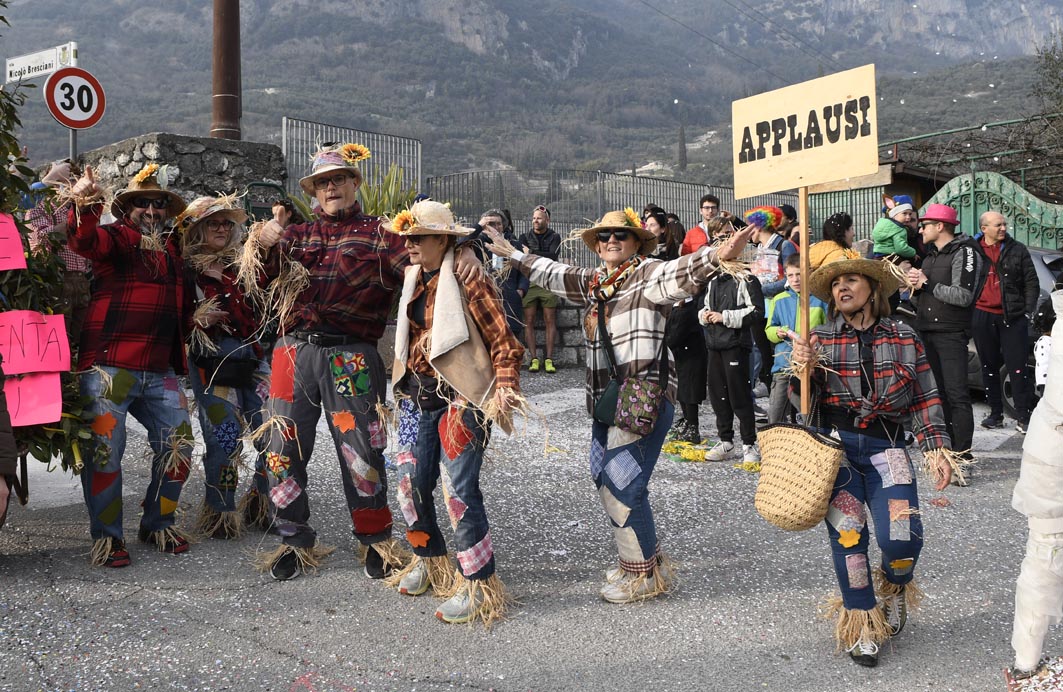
x: 743, y: 617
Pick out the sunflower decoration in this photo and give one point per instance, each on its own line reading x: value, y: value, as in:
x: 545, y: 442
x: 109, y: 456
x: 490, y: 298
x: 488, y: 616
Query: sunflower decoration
x: 353, y: 153
x: 146, y: 172
x: 403, y: 222
x: 631, y: 218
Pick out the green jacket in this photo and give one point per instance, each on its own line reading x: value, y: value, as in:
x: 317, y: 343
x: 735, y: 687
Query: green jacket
x: 891, y: 238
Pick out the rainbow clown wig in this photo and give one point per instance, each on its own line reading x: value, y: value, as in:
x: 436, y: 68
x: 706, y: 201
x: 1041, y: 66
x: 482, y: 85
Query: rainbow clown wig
x: 768, y: 218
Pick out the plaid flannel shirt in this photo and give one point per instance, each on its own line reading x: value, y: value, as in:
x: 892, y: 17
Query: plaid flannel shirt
x: 42, y: 220
x: 904, y: 384
x: 242, y: 322
x: 635, y: 316
x: 142, y: 306
x: 485, y: 307
x: 355, y: 269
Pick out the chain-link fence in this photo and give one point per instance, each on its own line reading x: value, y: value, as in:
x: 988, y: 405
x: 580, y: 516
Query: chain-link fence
x: 301, y: 138
x: 576, y: 198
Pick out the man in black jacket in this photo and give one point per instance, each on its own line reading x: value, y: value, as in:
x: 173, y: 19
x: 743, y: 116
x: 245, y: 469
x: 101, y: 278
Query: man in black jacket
x: 1001, y: 318
x: 946, y: 287
x: 544, y: 242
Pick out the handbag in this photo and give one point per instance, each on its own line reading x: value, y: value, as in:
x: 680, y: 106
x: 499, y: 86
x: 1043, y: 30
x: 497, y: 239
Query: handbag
x: 798, y: 468
x: 227, y: 372
x: 633, y: 405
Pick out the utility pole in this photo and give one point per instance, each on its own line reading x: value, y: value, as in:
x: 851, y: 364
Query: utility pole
x: 226, y: 104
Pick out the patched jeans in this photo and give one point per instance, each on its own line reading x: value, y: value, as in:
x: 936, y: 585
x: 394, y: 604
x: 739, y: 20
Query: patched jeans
x: 884, y: 482
x: 347, y: 382
x: 225, y: 414
x: 621, y: 466
x: 447, y: 443
x: 157, y: 401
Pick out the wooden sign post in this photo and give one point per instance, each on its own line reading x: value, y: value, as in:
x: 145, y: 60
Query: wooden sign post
x: 814, y: 132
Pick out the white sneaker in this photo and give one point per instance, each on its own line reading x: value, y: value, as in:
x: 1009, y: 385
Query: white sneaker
x: 416, y: 581
x: 751, y: 453
x: 720, y: 452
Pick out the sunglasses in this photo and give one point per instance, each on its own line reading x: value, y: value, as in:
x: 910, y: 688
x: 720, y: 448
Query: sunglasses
x: 155, y: 202
x: 414, y: 239
x: 219, y: 224
x: 604, y: 236
x: 924, y: 224
x: 338, y: 180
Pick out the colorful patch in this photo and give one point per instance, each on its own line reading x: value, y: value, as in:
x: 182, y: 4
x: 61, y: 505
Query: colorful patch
x: 903, y: 566
x: 282, y: 380
x: 179, y: 473
x: 102, y: 480
x: 597, y: 459
x: 893, y: 467
x: 405, y: 496
x: 456, y: 509
x: 350, y: 374
x: 183, y: 434
x: 103, y: 424
x: 371, y: 522
x: 167, y: 506
x: 846, y: 513
x: 217, y: 412
x: 183, y: 400
x: 617, y: 510
x: 406, y: 457
x: 278, y: 464
x: 476, y: 558
x: 856, y: 569
x: 418, y: 539
x: 622, y: 469
x: 900, y: 524
x: 121, y: 382
x: 229, y: 478
x: 228, y: 436
x: 343, y: 421
x: 262, y: 388
x: 284, y: 494
x: 627, y: 544
x: 111, y: 512
x: 378, y: 436
x: 171, y: 392
x: 365, y: 478
x: 409, y: 421
x: 454, y: 435
x: 848, y: 538
x: 617, y: 437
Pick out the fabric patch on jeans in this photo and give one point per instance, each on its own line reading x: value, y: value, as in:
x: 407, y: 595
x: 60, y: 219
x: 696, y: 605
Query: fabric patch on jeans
x: 171, y: 392
x: 378, y: 435
x: 121, y: 382
x: 102, y: 480
x: 456, y: 509
x: 349, y: 373
x: 371, y: 522
x: 217, y: 412
x: 616, y: 437
x: 418, y: 539
x: 597, y: 459
x: 856, y: 570
x: 622, y: 469
x: 893, y: 467
x: 627, y: 544
x: 454, y: 435
x: 366, y: 479
x: 409, y: 421
x: 282, y: 380
x: 278, y: 464
x: 110, y: 513
x: 285, y: 493
x: 344, y: 421
x: 103, y: 424
x: 228, y: 436
x: 405, y: 457
x: 902, y: 566
x: 262, y: 388
x: 846, y: 513
x: 475, y: 558
x: 167, y: 506
x: 229, y: 478
x: 405, y: 496
x: 900, y: 524
x: 617, y: 510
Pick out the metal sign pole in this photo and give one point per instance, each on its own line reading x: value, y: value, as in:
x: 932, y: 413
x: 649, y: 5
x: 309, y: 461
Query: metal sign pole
x: 73, y: 145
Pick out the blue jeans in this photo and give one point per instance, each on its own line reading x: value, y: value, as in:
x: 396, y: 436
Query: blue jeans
x: 622, y: 476
x: 156, y: 400
x: 448, y: 442
x: 887, y: 488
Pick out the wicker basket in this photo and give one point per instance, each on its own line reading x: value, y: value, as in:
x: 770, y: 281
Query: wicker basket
x: 797, y: 472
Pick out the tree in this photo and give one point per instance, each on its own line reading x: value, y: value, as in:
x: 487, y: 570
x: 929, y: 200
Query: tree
x: 682, y: 148
x: 1050, y: 73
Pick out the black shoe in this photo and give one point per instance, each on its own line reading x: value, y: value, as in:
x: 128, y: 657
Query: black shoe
x: 1021, y: 425
x: 864, y: 653
x: 375, y: 567
x: 993, y: 420
x: 286, y: 566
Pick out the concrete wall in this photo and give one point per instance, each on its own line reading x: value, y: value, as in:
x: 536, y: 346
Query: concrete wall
x: 569, y: 349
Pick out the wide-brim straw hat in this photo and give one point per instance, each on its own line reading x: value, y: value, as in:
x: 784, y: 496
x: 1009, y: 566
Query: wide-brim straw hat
x: 821, y: 279
x: 626, y: 220
x: 202, y: 208
x: 147, y: 181
x: 426, y: 217
x: 342, y: 157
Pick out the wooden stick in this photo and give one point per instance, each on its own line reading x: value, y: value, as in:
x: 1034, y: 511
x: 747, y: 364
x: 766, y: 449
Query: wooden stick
x: 802, y: 314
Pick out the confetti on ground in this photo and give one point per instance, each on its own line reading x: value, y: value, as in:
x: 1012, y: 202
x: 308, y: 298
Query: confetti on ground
x: 941, y: 501
x: 1049, y: 678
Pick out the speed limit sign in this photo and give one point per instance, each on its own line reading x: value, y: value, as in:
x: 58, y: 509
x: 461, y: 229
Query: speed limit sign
x: 75, y: 98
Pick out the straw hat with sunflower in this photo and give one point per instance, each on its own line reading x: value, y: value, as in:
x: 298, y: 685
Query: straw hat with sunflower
x: 340, y: 157
x: 626, y: 220
x: 151, y: 179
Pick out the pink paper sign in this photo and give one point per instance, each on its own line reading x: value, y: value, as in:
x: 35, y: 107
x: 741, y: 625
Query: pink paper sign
x: 12, y: 256
x: 34, y: 399
x: 32, y: 342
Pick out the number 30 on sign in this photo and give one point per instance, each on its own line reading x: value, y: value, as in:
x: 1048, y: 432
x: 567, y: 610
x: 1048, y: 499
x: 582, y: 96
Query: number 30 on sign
x: 75, y: 98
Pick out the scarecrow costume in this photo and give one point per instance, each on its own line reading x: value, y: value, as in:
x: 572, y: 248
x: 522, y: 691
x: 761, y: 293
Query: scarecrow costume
x: 454, y: 356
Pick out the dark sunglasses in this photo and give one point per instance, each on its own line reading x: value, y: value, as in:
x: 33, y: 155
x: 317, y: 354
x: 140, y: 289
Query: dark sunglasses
x: 414, y: 239
x: 145, y: 202
x: 621, y: 235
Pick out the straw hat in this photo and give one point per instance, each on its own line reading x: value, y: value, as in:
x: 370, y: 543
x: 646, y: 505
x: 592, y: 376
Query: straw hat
x: 201, y: 208
x: 821, y: 279
x: 341, y: 157
x: 626, y: 220
x: 426, y: 217
x: 151, y: 178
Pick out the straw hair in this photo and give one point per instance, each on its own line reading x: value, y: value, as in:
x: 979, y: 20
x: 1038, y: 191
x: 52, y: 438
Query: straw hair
x: 797, y: 474
x: 821, y: 279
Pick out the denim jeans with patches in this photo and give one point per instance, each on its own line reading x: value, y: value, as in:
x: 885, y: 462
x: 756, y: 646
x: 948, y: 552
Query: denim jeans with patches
x: 447, y: 443
x: 156, y: 400
x: 224, y: 414
x: 621, y: 466
x: 886, y: 488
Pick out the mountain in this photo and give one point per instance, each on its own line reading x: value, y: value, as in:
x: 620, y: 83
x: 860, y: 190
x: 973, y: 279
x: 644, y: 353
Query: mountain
x: 484, y: 83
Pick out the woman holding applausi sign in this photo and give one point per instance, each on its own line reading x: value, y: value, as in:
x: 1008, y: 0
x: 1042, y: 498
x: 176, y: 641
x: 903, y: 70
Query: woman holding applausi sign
x: 869, y: 377
x: 630, y: 382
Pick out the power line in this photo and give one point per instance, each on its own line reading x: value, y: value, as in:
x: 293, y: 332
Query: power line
x: 794, y: 40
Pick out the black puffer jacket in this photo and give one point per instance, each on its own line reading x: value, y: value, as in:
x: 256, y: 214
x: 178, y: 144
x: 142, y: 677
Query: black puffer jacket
x: 1019, y: 285
x: 742, y: 305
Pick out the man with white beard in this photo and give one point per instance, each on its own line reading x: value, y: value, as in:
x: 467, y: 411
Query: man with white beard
x: 132, y: 352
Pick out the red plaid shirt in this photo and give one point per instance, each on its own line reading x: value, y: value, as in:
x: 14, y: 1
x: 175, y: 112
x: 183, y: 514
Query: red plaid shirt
x: 141, y: 307
x: 355, y: 269
x: 242, y: 321
x: 42, y: 220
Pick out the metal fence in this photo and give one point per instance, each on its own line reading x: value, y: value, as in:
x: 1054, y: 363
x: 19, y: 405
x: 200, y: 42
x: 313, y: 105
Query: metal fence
x: 301, y: 138
x: 575, y: 198
x: 863, y: 204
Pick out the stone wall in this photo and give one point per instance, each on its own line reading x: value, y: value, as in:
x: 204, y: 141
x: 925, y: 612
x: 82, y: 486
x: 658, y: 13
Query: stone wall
x: 196, y: 165
x: 569, y: 349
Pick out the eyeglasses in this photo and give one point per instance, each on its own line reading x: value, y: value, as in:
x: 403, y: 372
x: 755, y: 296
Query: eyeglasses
x: 924, y: 224
x: 621, y: 235
x: 145, y: 202
x: 219, y: 224
x: 337, y: 180
x: 709, y: 207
